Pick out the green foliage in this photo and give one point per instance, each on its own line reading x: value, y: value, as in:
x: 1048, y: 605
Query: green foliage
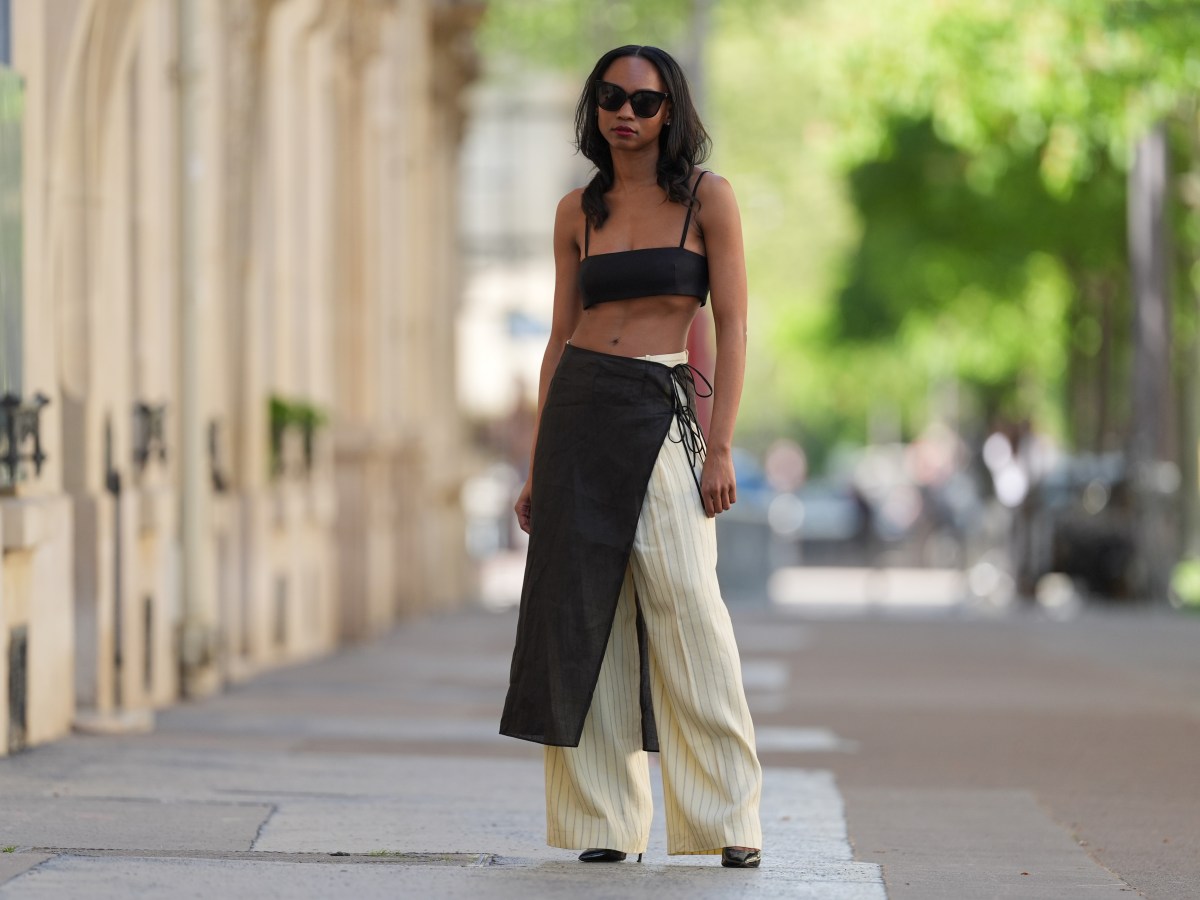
x: 299, y: 414
x: 572, y: 34
x: 1185, y: 583
x: 1004, y: 78
x: 975, y: 284
x: 983, y: 145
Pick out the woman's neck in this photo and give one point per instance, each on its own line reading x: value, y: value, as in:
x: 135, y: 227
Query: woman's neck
x: 635, y: 169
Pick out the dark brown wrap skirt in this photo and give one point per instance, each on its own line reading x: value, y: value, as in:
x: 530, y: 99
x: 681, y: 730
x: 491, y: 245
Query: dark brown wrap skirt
x: 602, y: 424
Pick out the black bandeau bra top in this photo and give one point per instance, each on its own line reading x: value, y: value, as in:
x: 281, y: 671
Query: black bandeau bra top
x: 650, y: 272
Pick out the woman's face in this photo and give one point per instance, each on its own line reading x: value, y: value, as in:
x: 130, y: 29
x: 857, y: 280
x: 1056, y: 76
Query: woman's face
x: 623, y: 129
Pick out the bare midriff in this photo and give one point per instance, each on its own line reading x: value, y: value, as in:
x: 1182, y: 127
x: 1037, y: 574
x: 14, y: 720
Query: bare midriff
x: 645, y: 326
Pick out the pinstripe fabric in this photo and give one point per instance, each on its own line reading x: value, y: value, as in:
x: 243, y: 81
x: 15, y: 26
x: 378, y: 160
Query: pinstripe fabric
x: 598, y: 794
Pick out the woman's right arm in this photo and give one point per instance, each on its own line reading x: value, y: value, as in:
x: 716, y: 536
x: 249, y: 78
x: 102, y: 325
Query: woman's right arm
x: 568, y: 223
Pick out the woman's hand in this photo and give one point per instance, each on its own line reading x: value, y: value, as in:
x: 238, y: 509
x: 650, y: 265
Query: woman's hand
x: 524, y: 505
x: 718, y: 486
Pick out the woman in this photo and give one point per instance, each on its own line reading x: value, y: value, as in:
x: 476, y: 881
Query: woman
x: 623, y: 641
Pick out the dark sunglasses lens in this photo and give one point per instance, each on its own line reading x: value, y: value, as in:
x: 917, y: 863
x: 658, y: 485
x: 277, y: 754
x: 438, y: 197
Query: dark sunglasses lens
x: 645, y: 104
x: 610, y: 97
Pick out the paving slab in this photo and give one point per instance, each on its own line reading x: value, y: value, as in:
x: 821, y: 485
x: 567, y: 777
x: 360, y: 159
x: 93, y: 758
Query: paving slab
x: 348, y: 802
x: 121, y: 878
x: 18, y: 862
x: 495, y: 806
x: 311, y: 782
x: 398, y: 809
x: 129, y: 823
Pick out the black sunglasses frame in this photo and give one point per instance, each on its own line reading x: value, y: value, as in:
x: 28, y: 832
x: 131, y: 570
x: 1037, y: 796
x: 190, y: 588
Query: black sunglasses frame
x: 635, y: 99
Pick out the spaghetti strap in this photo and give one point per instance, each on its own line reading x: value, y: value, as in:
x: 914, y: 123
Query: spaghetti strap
x: 587, y: 235
x: 687, y: 223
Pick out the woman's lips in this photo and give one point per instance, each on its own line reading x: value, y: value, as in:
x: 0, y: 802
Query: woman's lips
x: 623, y: 131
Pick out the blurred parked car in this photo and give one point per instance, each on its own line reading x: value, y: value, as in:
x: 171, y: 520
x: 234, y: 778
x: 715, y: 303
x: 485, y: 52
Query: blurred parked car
x: 831, y: 521
x: 1079, y: 521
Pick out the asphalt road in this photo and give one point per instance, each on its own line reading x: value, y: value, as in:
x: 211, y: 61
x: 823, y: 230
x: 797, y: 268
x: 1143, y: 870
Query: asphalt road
x: 988, y: 747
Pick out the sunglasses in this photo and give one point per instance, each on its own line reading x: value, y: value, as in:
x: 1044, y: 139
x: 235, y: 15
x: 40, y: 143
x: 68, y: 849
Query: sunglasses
x: 645, y: 104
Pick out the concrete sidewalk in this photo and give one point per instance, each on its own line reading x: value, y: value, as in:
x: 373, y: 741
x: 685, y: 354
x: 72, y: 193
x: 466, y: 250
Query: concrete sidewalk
x: 375, y: 773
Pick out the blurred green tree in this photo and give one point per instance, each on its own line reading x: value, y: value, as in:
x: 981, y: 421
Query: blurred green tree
x: 1072, y: 87
x: 986, y: 145
x: 571, y: 34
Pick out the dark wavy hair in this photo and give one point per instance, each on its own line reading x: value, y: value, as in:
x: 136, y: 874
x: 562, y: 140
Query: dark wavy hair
x: 682, y: 145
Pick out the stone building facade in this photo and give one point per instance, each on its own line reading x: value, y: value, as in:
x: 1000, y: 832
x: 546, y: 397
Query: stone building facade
x: 233, y: 326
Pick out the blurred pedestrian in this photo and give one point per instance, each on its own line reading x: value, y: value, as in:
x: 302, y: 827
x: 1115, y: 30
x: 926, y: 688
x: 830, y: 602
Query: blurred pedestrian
x: 624, y: 644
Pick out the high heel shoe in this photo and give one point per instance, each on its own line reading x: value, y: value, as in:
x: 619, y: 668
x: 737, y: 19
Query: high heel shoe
x: 734, y: 858
x: 599, y: 855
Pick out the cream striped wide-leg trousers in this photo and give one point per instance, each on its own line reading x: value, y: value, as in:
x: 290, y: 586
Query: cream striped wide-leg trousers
x: 598, y: 794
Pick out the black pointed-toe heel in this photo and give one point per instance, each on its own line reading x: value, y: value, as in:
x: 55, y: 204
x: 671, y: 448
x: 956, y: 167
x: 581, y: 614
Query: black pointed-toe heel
x: 740, y: 859
x: 599, y: 855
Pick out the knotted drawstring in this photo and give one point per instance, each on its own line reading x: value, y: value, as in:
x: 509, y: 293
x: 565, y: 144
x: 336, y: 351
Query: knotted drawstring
x: 683, y: 378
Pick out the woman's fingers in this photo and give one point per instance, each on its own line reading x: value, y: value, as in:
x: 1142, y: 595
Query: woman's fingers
x: 718, y: 484
x: 524, y: 507
x: 718, y: 499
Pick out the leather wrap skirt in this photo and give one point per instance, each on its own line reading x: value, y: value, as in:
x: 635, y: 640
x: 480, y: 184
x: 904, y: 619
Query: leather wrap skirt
x: 602, y: 424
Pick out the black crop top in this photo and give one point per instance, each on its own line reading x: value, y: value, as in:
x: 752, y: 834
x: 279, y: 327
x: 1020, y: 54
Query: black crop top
x: 649, y: 272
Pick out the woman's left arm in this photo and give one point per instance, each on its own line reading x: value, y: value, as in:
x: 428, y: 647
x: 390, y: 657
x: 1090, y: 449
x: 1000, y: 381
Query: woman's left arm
x: 721, y: 225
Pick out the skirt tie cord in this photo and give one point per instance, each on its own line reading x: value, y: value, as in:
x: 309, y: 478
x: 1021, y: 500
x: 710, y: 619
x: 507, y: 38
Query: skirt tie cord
x: 683, y: 377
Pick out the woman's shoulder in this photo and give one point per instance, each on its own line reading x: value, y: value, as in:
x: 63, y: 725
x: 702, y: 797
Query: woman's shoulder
x: 715, y: 196
x: 570, y: 208
x: 707, y: 183
x: 572, y: 200
x: 568, y: 219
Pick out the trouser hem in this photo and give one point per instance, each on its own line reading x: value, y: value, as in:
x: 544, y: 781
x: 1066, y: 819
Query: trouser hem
x: 572, y: 844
